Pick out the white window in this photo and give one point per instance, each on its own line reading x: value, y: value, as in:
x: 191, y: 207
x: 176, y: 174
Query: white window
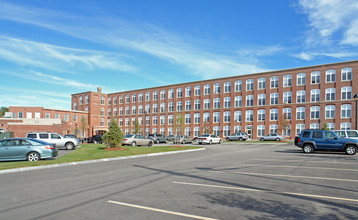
x: 346, y: 111
x: 301, y: 79
x: 346, y: 93
x: 196, y: 131
x: 237, y: 129
x: 197, y: 90
x: 227, y: 102
x: 179, y: 106
x: 134, y: 98
x: 147, y: 108
x: 274, y: 81
x: 197, y: 104
x: 187, y: 91
x: 170, y: 131
x: 217, y: 103
x: 330, y: 94
x: 140, y: 109
x: 217, y: 130
x: 179, y: 92
x: 273, y: 129
x: 134, y: 110
x: 347, y: 74
x: 170, y: 106
x: 81, y: 100
x: 249, y: 115
x: 155, y: 120
x: 217, y: 88
x: 102, y: 111
x: 227, y: 117
x: 299, y: 128
x: 261, y: 99
x: 171, y: 93
x: 75, y: 106
x: 330, y: 111
x: 274, y: 114
x: 330, y: 126
x: 238, y: 86
x: 102, y: 100
x: 315, y: 77
x: 206, y: 117
x: 162, y: 119
x: 261, y: 115
x: 274, y: 98
x: 87, y: 99
x: 155, y: 95
x: 249, y: 85
x: 287, y: 132
x: 127, y: 99
x: 315, y: 95
x: 206, y: 103
x: 188, y: 131
x: 301, y: 96
x: 261, y: 130
x: 121, y: 99
x: 162, y: 95
x: 249, y: 100
x: 188, y: 105
x: 287, y: 113
x: 47, y: 115
x: 287, y: 97
x: 227, y: 87
x: 315, y: 112
x: 330, y: 76
x: 170, y: 119
x: 127, y: 122
x: 102, y: 122
x: 140, y: 97
x: 238, y: 101
x: 162, y: 107
x: 300, y: 113
x: 147, y: 96
x: 207, y: 89
x: 261, y: 83
x: 287, y: 80
x: 226, y: 131
x: 109, y: 111
x: 127, y: 110
x: 346, y: 126
x: 155, y: 108
x: 216, y: 117
x: 121, y: 111
x: 196, y: 118
x: 237, y: 116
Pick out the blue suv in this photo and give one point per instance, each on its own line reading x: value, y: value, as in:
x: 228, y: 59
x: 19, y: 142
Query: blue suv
x: 311, y: 140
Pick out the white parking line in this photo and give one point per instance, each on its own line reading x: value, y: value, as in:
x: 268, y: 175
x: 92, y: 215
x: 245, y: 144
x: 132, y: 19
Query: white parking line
x: 300, y: 161
x: 268, y: 191
x: 160, y: 210
x: 300, y: 167
x: 290, y: 176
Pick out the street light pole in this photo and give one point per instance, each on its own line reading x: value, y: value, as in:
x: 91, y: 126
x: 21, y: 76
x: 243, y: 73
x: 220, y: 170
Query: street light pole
x: 145, y: 122
x: 356, y: 98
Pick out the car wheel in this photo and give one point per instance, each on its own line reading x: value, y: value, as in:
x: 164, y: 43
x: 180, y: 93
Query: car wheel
x: 220, y: 141
x: 157, y: 142
x: 241, y: 139
x: 70, y: 146
x: 33, y: 156
x: 228, y: 139
x: 262, y: 139
x: 351, y: 150
x: 133, y: 144
x: 277, y: 139
x: 183, y: 142
x: 200, y: 143
x: 307, y: 148
x: 150, y: 144
x: 210, y: 142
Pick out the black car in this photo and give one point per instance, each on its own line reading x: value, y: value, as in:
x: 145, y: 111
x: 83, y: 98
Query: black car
x: 97, y: 139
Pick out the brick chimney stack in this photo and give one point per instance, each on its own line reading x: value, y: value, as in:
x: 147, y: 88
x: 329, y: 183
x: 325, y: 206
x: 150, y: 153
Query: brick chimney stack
x: 99, y: 89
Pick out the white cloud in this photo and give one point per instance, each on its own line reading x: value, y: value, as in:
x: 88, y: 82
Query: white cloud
x: 311, y: 55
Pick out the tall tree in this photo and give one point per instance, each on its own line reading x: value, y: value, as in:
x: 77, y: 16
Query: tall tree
x: 178, y: 124
x: 83, y: 126
x: 113, y: 137
x: 208, y: 127
x: 3, y: 110
x: 137, y: 127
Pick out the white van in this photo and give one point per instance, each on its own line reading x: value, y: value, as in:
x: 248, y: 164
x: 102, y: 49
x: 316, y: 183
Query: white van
x: 54, y: 138
x: 352, y: 134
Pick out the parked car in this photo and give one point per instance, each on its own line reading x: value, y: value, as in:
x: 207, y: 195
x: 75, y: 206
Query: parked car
x: 54, y: 138
x: 97, y: 139
x: 237, y: 137
x: 182, y: 139
x: 157, y: 138
x: 209, y: 139
x: 353, y: 134
x: 170, y: 138
x: 136, y: 140
x: 272, y: 137
x: 311, y: 140
x: 26, y: 149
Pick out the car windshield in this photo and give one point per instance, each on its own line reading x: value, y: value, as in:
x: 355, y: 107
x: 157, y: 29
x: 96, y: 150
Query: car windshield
x: 205, y: 135
x: 128, y: 136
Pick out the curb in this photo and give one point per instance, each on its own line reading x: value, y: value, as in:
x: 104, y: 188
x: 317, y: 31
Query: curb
x: 95, y: 161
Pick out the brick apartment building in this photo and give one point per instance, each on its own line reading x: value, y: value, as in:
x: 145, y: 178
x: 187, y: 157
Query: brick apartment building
x: 283, y: 101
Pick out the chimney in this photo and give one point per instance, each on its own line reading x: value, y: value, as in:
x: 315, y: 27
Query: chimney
x: 99, y: 89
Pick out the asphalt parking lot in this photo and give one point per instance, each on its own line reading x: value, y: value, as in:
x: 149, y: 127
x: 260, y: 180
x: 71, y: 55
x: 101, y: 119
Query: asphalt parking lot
x: 226, y: 181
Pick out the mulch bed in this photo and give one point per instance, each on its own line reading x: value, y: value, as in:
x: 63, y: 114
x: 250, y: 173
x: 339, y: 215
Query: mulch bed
x: 115, y: 148
x: 178, y: 146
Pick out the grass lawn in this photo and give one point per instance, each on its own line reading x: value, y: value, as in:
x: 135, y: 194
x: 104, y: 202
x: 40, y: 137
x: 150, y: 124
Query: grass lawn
x: 92, y: 152
x: 262, y: 142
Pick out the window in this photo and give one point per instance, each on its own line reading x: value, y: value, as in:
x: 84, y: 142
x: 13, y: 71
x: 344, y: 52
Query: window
x: 188, y: 131
x: 217, y: 130
x: 274, y: 114
x: 147, y: 108
x: 170, y: 119
x: 287, y: 97
x: 206, y: 103
x: 314, y: 126
x: 81, y: 100
x: 330, y: 111
x: 237, y: 129
x: 20, y: 115
x: 261, y: 99
x: 287, y: 80
x: 134, y: 98
x: 261, y: 115
x: 346, y: 111
x: 217, y: 103
x: 227, y: 117
x: 249, y: 100
x: 162, y: 95
x: 134, y: 110
x: 115, y: 112
x: 216, y: 117
x: 287, y: 132
x: 330, y: 76
x: 109, y: 112
x: 109, y: 101
x: 155, y: 95
x: 171, y: 106
x: 171, y: 93
x: 346, y: 126
x: 187, y: 91
x: 227, y: 102
x: 179, y: 106
x: 261, y: 130
x: 115, y: 100
x: 249, y: 115
x: 274, y: 98
x: 274, y: 81
x: 179, y: 92
x: 155, y: 120
x: 162, y: 107
x: 300, y: 113
x: 301, y: 79
x: 346, y: 93
x: 75, y: 106
x: 262, y: 83
x: 315, y: 77
x: 188, y: 105
x: 170, y: 131
x: 121, y: 122
x: 315, y: 112
x: 299, y: 128
x: 206, y: 89
x: 127, y: 98
x: 315, y: 95
x: 238, y: 86
x: 102, y: 111
x: 226, y: 131
x: 127, y: 110
x: 227, y: 87
x: 102, y: 122
x: 102, y: 100
x: 121, y: 99
x: 237, y: 116
x: 140, y: 97
x: 140, y: 109
x: 196, y: 131
x: 197, y: 90
x: 155, y: 108
x: 121, y: 111
x: 287, y: 113
x: 197, y: 104
x: 206, y: 117
x: 301, y: 96
x: 162, y: 119
x: 217, y: 88
x: 47, y: 115
x: 273, y: 129
x: 330, y: 126
x: 87, y: 99
x: 238, y: 101
x: 347, y: 74
x: 249, y: 85
x: 196, y: 118
x: 330, y: 94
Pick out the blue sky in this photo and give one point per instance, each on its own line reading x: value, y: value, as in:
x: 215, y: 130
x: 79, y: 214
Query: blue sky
x: 52, y: 49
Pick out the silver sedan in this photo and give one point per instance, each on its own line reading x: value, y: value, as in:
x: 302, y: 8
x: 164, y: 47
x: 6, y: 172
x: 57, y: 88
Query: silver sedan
x: 272, y: 137
x: 136, y: 140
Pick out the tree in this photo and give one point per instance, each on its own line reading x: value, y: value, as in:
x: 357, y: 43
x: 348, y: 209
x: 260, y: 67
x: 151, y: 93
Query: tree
x: 178, y: 124
x: 208, y: 127
x: 137, y: 127
x: 285, y: 124
x: 2, y: 111
x: 113, y: 137
x: 325, y: 127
